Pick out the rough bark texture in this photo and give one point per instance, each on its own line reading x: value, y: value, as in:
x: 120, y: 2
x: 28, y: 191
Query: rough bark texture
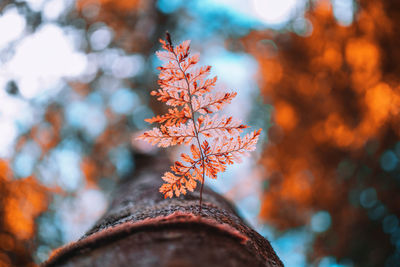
x: 141, y: 228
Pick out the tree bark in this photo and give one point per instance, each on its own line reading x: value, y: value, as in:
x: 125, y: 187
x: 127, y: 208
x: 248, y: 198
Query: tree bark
x: 141, y: 228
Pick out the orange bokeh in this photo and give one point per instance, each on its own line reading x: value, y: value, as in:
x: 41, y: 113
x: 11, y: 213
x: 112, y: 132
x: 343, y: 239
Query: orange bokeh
x: 26, y: 200
x: 22, y: 201
x: 121, y: 5
x: 335, y: 93
x: 285, y: 115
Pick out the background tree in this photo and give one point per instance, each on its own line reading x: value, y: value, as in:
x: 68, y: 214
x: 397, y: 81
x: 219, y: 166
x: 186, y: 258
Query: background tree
x: 333, y: 153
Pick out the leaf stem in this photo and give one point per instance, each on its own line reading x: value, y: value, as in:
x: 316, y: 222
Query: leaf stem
x: 194, y: 126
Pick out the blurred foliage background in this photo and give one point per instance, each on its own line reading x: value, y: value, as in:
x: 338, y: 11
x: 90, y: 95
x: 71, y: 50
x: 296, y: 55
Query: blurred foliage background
x: 320, y: 77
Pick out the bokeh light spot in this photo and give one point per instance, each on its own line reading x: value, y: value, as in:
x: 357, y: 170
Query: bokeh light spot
x: 302, y: 27
x: 23, y: 164
x: 127, y: 66
x: 331, y: 262
x: 285, y: 115
x: 122, y: 160
x: 9, y: 34
x: 41, y: 59
x: 321, y: 221
x: 53, y: 9
x: 343, y: 11
x: 94, y: 120
x: 139, y: 114
x: 291, y: 247
x: 7, y: 137
x: 101, y: 38
x: 377, y: 213
x: 390, y: 224
x: 123, y: 101
x: 368, y: 198
x: 274, y: 12
x: 388, y: 161
x: 395, y: 238
x: 35, y: 4
x: 68, y: 163
x: 168, y: 6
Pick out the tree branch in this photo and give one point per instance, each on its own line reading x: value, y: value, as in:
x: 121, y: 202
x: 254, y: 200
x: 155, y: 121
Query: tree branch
x: 141, y: 228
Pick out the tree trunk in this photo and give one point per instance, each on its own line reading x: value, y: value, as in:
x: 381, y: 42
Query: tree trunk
x: 141, y: 228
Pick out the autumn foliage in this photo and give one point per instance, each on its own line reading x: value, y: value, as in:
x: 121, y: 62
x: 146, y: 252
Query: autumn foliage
x: 21, y: 202
x: 336, y: 113
x: 214, y: 140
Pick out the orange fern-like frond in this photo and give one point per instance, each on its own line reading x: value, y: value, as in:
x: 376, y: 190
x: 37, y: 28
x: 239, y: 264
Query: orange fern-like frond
x: 215, y: 141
